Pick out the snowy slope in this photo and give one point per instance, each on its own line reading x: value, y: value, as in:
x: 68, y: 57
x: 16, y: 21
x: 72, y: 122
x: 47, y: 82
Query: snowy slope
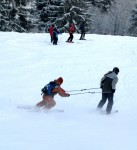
x: 29, y: 61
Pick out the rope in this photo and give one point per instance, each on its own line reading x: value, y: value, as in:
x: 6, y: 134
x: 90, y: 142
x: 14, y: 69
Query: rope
x: 89, y: 93
x: 82, y: 90
x: 85, y: 93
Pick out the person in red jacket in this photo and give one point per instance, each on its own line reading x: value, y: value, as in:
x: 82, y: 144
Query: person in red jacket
x: 51, y: 32
x: 48, y: 98
x: 71, y: 30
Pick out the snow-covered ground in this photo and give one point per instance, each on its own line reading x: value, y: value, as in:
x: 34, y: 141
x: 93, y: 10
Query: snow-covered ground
x: 29, y: 61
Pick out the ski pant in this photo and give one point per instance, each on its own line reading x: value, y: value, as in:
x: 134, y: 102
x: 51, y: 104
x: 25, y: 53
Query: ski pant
x: 48, y: 102
x: 70, y: 37
x: 82, y: 35
x: 55, y: 40
x: 106, y: 96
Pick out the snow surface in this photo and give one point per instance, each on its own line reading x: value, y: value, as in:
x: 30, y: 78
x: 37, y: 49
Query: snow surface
x: 29, y: 61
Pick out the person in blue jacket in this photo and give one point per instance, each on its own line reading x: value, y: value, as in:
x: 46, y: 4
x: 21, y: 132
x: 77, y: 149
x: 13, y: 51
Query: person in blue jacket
x: 55, y: 36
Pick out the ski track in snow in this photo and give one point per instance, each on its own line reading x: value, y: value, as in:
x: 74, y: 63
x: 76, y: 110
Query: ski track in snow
x: 29, y: 61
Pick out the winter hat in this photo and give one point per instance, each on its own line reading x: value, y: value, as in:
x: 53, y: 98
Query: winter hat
x: 60, y: 80
x: 116, y: 70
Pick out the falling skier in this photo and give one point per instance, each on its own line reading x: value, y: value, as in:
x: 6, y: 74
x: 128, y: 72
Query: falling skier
x: 49, y: 91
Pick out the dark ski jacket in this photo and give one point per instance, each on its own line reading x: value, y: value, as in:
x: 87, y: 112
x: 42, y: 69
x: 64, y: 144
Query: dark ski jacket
x: 82, y: 27
x: 108, y: 82
x: 55, y: 33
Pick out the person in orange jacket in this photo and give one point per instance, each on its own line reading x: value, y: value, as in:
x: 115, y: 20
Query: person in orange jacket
x: 71, y: 30
x: 49, y: 91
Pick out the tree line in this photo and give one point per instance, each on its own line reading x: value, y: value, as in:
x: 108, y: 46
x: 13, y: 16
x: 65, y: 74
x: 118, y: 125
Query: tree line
x: 114, y: 17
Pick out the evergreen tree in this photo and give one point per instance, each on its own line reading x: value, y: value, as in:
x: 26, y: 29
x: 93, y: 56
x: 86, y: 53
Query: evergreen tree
x: 15, y: 15
x: 103, y: 5
x: 60, y: 13
x: 74, y: 11
x: 133, y: 20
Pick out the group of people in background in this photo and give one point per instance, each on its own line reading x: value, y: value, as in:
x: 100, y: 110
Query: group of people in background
x: 71, y: 29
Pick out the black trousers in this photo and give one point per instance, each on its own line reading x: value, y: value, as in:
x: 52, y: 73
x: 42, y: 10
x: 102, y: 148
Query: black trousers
x: 106, y: 96
x: 55, y: 40
x: 82, y: 35
x: 70, y: 37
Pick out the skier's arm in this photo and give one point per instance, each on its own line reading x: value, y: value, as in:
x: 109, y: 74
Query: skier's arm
x: 61, y: 92
x: 114, y: 82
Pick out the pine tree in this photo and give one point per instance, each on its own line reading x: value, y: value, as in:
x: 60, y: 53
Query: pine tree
x: 74, y: 11
x: 133, y: 20
x: 15, y: 15
x: 103, y: 5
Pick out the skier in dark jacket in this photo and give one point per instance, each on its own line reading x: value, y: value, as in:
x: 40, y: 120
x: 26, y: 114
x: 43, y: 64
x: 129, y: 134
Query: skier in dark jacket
x: 55, y: 36
x: 108, y: 86
x: 82, y: 29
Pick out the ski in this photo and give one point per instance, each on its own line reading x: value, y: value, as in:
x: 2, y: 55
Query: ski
x: 25, y: 107
x: 35, y: 109
x: 69, y: 42
x: 112, y: 112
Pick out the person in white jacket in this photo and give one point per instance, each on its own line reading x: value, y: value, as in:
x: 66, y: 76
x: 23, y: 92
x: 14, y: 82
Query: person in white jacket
x: 108, y: 86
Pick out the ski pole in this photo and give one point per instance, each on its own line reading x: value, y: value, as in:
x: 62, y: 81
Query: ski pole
x: 82, y: 89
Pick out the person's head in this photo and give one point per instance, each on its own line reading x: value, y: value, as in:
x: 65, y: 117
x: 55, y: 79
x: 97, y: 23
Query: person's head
x: 116, y: 70
x: 59, y: 80
x: 52, y: 25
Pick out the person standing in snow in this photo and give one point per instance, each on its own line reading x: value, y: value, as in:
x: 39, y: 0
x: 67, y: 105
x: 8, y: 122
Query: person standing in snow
x: 82, y: 29
x: 49, y: 91
x: 50, y: 30
x: 71, y: 30
x: 55, y: 36
x: 108, y: 86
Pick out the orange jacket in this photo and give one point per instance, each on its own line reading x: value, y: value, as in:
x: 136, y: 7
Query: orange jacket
x: 60, y: 91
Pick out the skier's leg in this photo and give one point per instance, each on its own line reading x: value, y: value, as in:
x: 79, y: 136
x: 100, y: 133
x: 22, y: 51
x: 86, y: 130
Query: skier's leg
x: 103, y: 101
x: 42, y: 103
x: 56, y: 41
x: 50, y: 103
x: 110, y: 103
x: 71, y: 37
x: 81, y: 36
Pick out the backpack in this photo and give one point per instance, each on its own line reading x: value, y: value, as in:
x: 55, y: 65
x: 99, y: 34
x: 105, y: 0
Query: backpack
x: 71, y: 29
x: 48, y: 88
